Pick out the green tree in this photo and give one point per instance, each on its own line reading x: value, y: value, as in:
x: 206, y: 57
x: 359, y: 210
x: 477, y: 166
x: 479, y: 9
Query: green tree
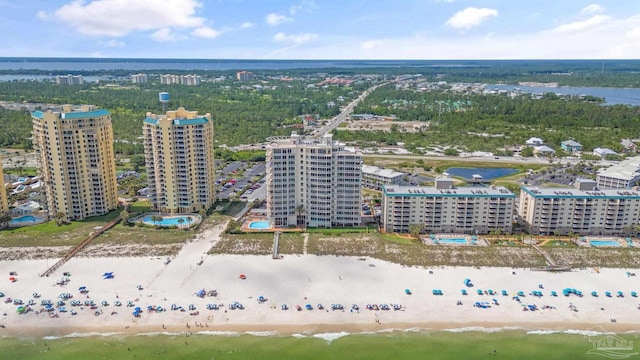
x: 124, y: 215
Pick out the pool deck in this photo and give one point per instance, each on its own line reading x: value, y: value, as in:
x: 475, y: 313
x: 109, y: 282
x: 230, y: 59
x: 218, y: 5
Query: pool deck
x: 28, y: 223
x: 585, y: 241
x: 245, y: 227
x: 434, y: 239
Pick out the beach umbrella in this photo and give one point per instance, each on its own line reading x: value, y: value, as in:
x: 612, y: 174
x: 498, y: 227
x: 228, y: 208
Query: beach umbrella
x: 634, y: 294
x: 12, y: 279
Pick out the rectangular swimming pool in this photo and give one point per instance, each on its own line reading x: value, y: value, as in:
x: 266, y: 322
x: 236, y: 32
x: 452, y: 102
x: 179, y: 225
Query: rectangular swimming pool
x: 459, y: 241
x: 604, y: 243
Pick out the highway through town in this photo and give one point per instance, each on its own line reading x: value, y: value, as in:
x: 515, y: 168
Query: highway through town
x: 344, y: 115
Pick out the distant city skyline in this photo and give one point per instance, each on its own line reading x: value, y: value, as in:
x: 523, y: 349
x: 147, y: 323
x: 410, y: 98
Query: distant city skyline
x: 308, y: 29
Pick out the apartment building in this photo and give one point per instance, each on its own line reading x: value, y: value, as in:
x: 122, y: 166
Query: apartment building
x: 4, y: 206
x: 76, y: 161
x: 312, y: 183
x: 584, y: 209
x: 624, y: 174
x: 178, y: 150
x: 374, y: 177
x: 139, y: 78
x: 443, y: 208
x: 244, y: 75
x: 189, y: 80
x: 69, y: 79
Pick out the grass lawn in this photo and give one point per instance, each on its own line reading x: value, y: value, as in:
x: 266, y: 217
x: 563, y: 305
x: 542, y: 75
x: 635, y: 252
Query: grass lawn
x: 49, y: 234
x: 232, y: 208
x: 119, y: 235
x: 337, y: 231
x: 27, y: 171
x: 139, y: 207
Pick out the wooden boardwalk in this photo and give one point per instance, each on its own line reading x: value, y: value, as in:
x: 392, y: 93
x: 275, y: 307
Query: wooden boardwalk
x: 80, y: 246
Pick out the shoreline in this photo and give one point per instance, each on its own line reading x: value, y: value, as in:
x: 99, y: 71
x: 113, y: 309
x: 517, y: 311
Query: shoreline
x: 434, y: 302
x: 315, y: 330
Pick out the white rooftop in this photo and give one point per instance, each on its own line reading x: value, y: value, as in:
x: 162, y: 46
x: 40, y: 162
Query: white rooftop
x: 466, y: 191
x: 374, y: 170
x: 628, y: 169
x: 541, y: 192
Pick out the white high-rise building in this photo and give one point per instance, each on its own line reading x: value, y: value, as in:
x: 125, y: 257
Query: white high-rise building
x: 312, y: 183
x: 190, y: 80
x: 69, y: 79
x: 139, y: 78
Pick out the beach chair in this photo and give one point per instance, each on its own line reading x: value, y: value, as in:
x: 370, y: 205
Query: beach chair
x: 594, y: 293
x: 480, y: 292
x: 463, y: 291
x: 554, y: 293
x: 607, y: 294
x: 634, y: 294
x: 504, y: 293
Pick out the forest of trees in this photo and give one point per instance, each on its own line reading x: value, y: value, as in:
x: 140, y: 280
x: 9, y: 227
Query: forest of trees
x: 488, y: 122
x: 240, y: 115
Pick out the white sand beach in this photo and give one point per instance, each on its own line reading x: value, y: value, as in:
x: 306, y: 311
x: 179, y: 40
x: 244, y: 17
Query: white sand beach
x: 301, y: 280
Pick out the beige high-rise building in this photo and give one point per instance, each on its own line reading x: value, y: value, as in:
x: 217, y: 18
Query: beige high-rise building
x: 178, y: 150
x: 4, y: 207
x: 74, y: 149
x: 312, y: 183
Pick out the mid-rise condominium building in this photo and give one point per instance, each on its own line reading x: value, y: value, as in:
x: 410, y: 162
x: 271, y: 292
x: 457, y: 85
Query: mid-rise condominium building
x: 191, y: 80
x: 178, y: 150
x: 624, y: 174
x: 244, y: 75
x: 312, y: 183
x: 74, y: 149
x: 139, y: 78
x: 374, y: 177
x: 4, y: 206
x: 585, y: 210
x: 444, y: 208
x: 69, y: 79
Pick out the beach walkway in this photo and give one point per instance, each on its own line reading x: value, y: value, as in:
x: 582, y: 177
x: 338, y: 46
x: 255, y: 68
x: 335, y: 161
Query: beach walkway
x: 276, y: 244
x: 80, y: 246
x: 546, y: 257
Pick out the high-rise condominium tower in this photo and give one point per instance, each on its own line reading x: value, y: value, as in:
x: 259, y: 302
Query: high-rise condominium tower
x: 312, y: 183
x: 178, y: 150
x: 76, y: 160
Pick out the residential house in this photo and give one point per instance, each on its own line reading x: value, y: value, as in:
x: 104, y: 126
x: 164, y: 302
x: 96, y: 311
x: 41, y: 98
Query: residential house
x: 534, y: 141
x: 571, y: 146
x: 603, y: 152
x: 629, y: 145
x: 543, y: 150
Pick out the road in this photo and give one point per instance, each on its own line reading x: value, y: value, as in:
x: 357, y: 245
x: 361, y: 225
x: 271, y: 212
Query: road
x: 344, y: 115
x: 502, y: 159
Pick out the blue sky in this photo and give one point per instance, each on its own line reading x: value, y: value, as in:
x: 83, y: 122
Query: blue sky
x: 322, y: 29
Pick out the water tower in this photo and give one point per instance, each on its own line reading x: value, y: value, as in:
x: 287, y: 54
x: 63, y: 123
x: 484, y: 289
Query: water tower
x: 164, y: 99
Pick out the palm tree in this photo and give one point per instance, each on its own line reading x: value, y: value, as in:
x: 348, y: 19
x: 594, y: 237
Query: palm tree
x: 124, y: 215
x: 300, y: 215
x: 189, y: 220
x: 4, y: 220
x: 180, y: 221
x: 60, y: 218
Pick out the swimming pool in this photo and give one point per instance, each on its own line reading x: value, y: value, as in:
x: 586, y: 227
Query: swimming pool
x: 25, y: 219
x: 604, y: 243
x: 453, y: 241
x: 173, y: 220
x: 259, y: 225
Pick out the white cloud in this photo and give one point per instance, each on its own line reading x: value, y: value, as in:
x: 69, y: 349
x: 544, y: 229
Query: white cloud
x: 111, y: 43
x: 206, y: 32
x: 592, y: 9
x: 42, y: 15
x: 447, y: 1
x: 120, y: 17
x: 582, y: 24
x: 247, y: 25
x: 369, y: 44
x: 97, y: 54
x: 274, y: 19
x: 308, y: 5
x: 470, y: 17
x: 295, y: 39
x: 163, y: 35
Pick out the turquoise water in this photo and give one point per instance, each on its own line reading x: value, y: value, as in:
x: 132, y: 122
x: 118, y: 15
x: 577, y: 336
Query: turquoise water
x: 26, y: 219
x: 452, y: 241
x: 170, y: 221
x: 598, y: 243
x: 259, y: 225
x: 486, y: 173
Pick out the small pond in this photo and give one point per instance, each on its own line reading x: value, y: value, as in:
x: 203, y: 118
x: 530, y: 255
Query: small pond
x: 486, y: 173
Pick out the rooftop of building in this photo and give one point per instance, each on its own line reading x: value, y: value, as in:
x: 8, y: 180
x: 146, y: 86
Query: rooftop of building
x: 561, y: 193
x: 295, y: 139
x: 571, y: 143
x: 180, y: 117
x: 374, y: 170
x: 73, y: 112
x: 628, y: 169
x: 431, y: 191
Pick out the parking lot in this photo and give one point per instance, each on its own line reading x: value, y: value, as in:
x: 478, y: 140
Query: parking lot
x: 236, y: 175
